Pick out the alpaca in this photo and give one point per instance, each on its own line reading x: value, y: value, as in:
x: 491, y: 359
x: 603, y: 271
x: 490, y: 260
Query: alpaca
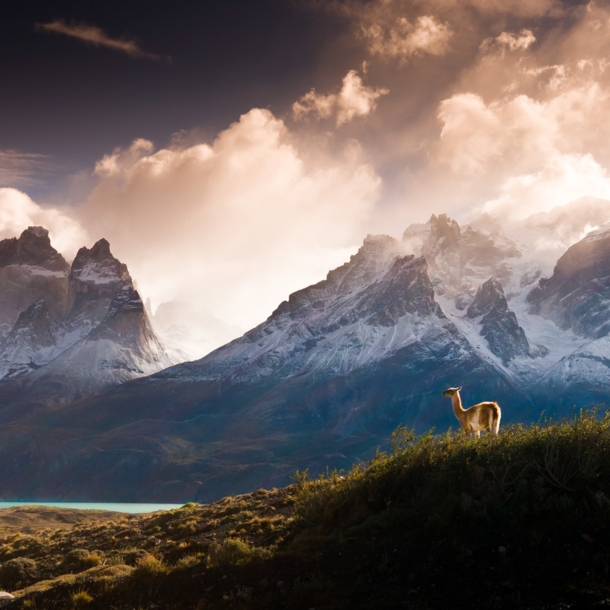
x: 484, y: 416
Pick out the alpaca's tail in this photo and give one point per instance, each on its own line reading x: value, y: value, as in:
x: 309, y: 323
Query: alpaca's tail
x: 496, y: 416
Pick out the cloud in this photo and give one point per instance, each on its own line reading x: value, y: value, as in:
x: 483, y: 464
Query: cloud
x: 91, y: 34
x: 23, y: 170
x: 234, y: 225
x: 18, y: 211
x: 354, y: 100
x: 562, y: 179
x: 518, y: 130
x: 369, y: 9
x: 403, y: 39
x: 513, y: 42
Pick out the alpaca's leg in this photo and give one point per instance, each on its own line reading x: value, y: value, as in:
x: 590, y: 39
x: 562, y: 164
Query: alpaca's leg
x: 477, y: 433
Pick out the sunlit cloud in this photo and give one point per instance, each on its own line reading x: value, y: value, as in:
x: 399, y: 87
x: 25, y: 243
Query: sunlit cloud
x: 368, y: 10
x: 353, y: 100
x: 91, y: 34
x: 497, y: 107
x: 563, y: 179
x: 404, y: 39
x: 18, y: 212
x: 234, y: 225
x: 520, y: 130
x: 510, y: 41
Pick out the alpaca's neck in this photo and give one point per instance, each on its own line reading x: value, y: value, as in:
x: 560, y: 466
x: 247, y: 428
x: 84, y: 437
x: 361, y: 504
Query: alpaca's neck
x: 456, y: 401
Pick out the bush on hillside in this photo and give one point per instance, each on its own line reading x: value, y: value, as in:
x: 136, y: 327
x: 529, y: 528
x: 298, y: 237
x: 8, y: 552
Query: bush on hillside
x: 79, y: 560
x: 17, y: 573
x: 231, y: 551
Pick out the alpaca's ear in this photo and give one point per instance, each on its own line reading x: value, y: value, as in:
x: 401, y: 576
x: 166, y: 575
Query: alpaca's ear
x: 458, y: 389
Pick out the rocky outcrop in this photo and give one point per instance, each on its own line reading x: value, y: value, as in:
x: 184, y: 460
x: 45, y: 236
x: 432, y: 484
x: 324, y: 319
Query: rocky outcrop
x: 33, y: 248
x: 95, y: 277
x: 498, y: 324
x: 30, y: 270
x: 30, y: 343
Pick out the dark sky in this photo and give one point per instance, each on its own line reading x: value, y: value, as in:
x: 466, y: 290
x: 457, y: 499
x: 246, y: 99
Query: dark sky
x: 76, y: 101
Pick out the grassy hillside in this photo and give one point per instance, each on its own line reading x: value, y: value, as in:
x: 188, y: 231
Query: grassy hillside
x: 33, y: 519
x: 518, y: 521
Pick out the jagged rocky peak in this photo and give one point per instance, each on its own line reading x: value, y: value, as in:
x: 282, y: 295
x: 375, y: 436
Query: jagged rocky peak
x: 577, y: 295
x: 489, y: 296
x: 126, y: 300
x: 32, y: 248
x: 460, y: 260
x: 365, y: 310
x: 394, y: 285
x: 30, y: 269
x: 498, y: 324
x: 439, y: 234
x: 372, y: 258
x: 98, y: 266
x: 444, y: 231
x: 96, y: 276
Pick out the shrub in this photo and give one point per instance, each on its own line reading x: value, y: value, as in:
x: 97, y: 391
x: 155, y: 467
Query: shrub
x: 18, y: 572
x: 116, y: 560
x: 79, y: 560
x: 188, y: 561
x: 133, y: 557
x: 149, y: 566
x: 437, y: 478
x: 80, y: 599
x: 231, y: 551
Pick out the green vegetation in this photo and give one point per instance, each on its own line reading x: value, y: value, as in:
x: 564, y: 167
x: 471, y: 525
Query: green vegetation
x: 517, y: 521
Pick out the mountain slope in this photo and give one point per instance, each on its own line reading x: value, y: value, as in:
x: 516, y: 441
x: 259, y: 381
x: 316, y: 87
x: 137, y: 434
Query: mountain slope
x: 123, y: 346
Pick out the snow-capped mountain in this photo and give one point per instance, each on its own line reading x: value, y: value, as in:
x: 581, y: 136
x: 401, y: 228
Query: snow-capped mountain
x: 379, y: 306
x: 82, y: 327
x: 364, y: 311
x: 549, y: 333
x: 577, y: 295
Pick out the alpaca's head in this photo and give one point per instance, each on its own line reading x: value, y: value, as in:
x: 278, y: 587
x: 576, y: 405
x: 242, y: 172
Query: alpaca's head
x: 451, y: 391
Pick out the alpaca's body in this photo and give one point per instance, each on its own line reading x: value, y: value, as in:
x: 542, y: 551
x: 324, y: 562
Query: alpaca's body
x: 484, y: 416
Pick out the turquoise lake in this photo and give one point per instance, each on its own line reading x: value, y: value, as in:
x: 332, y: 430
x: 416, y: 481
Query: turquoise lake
x: 113, y: 506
